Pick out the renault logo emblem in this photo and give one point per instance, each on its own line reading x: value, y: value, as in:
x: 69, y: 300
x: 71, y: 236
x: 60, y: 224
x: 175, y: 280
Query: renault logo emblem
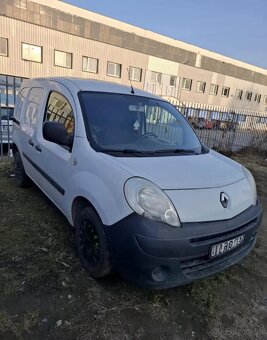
x: 224, y: 199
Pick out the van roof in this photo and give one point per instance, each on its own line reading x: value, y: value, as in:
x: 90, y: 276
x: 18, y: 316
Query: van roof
x: 82, y: 84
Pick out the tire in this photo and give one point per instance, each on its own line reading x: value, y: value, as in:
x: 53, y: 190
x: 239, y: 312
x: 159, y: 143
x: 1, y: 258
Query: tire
x: 92, y: 243
x: 21, y: 178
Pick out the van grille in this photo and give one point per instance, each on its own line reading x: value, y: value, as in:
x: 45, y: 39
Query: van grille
x: 226, y: 235
x: 203, y: 266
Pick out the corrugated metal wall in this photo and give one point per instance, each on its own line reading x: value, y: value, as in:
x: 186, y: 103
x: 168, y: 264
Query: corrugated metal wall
x: 18, y: 32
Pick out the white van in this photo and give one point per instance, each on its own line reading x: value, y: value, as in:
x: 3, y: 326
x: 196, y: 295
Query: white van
x: 147, y: 199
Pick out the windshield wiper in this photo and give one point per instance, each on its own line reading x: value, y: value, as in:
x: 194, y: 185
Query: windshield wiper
x: 136, y: 151
x: 181, y: 151
x: 127, y: 151
x: 142, y: 153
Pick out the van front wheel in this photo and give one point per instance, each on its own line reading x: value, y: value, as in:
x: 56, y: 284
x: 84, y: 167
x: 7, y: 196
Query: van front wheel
x: 92, y: 243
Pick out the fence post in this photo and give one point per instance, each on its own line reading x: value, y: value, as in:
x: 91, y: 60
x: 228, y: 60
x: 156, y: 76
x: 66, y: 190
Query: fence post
x: 1, y: 137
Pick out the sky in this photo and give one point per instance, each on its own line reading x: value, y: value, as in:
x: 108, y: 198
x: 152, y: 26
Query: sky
x: 234, y: 28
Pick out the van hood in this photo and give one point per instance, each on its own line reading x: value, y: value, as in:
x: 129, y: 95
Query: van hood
x: 210, y: 170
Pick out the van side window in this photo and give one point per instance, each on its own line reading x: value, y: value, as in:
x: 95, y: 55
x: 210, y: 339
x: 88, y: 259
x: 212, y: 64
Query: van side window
x: 33, y: 106
x: 58, y: 109
x: 20, y: 101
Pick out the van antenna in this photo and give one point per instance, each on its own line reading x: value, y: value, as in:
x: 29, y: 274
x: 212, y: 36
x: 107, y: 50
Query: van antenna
x: 132, y: 89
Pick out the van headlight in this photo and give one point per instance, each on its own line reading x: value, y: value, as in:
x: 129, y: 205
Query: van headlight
x: 252, y: 184
x: 148, y: 200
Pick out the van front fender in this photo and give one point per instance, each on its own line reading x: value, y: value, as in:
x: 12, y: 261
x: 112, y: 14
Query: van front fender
x: 107, y: 197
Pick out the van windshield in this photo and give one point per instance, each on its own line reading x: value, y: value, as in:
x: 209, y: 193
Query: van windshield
x: 123, y: 125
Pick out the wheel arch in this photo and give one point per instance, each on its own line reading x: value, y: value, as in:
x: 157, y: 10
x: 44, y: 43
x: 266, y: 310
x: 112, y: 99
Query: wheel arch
x: 78, y: 204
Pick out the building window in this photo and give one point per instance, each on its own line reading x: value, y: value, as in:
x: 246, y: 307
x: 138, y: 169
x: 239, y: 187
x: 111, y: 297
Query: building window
x: 18, y: 81
x: 21, y: 4
x: 63, y: 59
x: 186, y: 84
x: 10, y: 80
x: 257, y: 98
x: 225, y: 91
x: 238, y: 94
x: 241, y: 118
x: 3, y: 47
x: 3, y: 95
x: 201, y: 85
x: 114, y: 69
x: 11, y: 95
x: 262, y: 120
x: 173, y: 80
x: 90, y: 65
x: 8, y: 91
x: 2, y: 79
x: 214, y: 89
x: 135, y: 73
x: 248, y: 96
x: 32, y: 53
x: 156, y: 77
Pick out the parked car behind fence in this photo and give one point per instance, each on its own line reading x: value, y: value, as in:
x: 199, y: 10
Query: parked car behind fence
x: 228, y: 131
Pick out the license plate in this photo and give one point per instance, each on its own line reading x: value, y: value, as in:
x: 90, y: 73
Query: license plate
x: 225, y: 247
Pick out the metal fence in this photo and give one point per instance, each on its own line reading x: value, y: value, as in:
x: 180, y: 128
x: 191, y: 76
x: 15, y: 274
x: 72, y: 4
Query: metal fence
x: 228, y: 131
x: 221, y: 130
x: 6, y: 130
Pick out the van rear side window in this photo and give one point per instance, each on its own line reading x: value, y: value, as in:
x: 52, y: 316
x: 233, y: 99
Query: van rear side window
x: 20, y: 101
x: 33, y: 106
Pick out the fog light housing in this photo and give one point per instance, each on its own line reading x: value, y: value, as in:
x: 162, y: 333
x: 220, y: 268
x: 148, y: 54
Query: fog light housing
x: 160, y: 273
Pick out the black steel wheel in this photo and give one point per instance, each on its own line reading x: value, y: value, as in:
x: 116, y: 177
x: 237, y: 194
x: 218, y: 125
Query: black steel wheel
x: 92, y: 243
x: 21, y: 178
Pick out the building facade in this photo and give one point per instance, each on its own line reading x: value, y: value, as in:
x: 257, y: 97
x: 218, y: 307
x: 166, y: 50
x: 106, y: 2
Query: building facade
x: 53, y: 38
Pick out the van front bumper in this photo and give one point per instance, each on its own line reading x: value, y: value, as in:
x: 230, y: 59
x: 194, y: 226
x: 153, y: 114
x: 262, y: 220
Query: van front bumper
x: 153, y: 254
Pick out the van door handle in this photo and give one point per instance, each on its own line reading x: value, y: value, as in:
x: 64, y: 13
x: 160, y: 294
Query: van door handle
x: 37, y: 147
x: 30, y: 142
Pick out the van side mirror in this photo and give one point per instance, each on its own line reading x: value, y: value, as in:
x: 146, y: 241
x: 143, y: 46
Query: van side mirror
x: 57, y: 133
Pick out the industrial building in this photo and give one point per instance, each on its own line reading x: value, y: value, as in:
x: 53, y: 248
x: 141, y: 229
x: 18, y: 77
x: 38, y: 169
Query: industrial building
x: 53, y: 38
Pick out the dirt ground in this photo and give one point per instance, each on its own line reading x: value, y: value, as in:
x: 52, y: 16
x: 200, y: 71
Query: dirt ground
x: 45, y: 294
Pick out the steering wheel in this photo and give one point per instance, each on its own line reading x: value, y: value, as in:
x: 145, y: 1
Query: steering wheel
x: 147, y: 134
